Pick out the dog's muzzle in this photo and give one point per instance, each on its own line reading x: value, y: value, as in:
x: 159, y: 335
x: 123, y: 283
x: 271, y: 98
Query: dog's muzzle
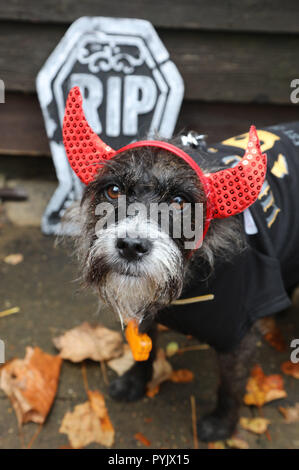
x: 136, y: 267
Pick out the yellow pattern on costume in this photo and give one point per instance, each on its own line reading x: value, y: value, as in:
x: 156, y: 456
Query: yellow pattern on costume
x: 271, y: 220
x: 280, y: 167
x: 267, y: 140
x: 265, y: 190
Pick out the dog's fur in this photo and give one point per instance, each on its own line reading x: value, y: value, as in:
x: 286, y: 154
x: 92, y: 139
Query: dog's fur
x: 140, y: 289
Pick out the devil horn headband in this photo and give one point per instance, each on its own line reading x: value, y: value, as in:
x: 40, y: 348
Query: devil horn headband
x: 228, y: 192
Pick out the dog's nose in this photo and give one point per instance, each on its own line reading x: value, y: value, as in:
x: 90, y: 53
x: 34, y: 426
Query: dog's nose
x: 133, y: 248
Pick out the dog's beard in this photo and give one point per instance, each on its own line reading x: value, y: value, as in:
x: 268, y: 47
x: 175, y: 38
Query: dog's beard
x: 135, y: 289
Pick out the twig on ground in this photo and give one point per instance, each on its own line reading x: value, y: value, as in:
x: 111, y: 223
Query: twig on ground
x: 194, y: 423
x: 84, y: 374
x: 104, y: 372
x: 35, y: 435
x: 196, y: 347
x: 9, y: 311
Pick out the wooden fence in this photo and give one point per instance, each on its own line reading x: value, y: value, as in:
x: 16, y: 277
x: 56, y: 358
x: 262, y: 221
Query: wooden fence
x: 237, y: 59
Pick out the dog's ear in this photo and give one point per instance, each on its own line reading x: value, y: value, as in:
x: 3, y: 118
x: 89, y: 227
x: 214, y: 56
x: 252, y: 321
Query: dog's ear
x: 84, y: 148
x: 234, y: 189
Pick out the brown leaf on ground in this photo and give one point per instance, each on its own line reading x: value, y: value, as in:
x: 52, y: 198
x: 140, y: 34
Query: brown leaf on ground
x: 272, y: 333
x: 148, y: 420
x: 89, y: 342
x: 89, y: 422
x: 162, y: 370
x: 289, y: 368
x: 152, y: 392
x: 255, y: 425
x: 216, y: 445
x: 97, y: 402
x: 14, y: 259
x: 237, y: 443
x: 31, y: 384
x: 123, y: 363
x: 141, y: 438
x: 291, y: 414
x: 276, y: 340
x: 262, y: 389
x: 182, y: 376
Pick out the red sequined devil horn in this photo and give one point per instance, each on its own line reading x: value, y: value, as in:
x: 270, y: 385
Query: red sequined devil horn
x: 234, y: 189
x: 84, y: 148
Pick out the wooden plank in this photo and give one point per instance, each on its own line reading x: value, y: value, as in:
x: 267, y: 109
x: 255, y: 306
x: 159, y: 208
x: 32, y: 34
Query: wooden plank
x: 232, y: 15
x: 222, y: 120
x: 23, y: 132
x: 215, y: 66
x: 22, y: 126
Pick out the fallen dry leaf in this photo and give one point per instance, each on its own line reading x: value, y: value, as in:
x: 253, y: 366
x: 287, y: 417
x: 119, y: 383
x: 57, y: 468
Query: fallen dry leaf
x: 148, y: 420
x: 237, y: 443
x: 289, y: 368
x: 89, y: 422
x: 262, y: 389
x: 89, y: 342
x: 216, y: 445
x: 152, y: 392
x: 14, y: 259
x: 141, y: 438
x: 272, y: 333
x: 31, y: 384
x: 255, y: 425
x: 121, y: 364
x: 140, y: 343
x: 162, y: 370
x: 182, y: 376
x: 291, y: 414
x: 276, y: 340
x: 97, y: 402
x: 161, y: 328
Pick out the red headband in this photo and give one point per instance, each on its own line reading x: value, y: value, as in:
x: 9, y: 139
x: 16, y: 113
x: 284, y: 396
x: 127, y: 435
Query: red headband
x: 228, y: 192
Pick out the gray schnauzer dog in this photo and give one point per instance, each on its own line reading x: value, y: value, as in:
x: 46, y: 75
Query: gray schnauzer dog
x: 145, y: 272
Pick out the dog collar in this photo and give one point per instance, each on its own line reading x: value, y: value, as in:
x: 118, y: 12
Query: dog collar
x: 228, y: 192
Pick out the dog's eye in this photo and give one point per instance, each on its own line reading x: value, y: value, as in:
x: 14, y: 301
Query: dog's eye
x: 112, y: 192
x: 178, y: 202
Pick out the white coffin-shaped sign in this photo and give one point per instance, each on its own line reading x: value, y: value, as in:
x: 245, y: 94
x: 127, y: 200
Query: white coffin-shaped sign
x: 130, y: 88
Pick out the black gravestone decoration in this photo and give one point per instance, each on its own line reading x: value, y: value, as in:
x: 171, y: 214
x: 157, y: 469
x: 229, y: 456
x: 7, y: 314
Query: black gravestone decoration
x: 130, y: 89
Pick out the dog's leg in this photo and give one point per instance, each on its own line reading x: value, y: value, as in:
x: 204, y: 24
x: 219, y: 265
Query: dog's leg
x: 234, y: 370
x: 131, y: 386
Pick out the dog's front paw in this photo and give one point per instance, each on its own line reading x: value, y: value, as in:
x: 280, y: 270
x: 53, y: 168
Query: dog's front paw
x: 128, y: 387
x: 214, y: 428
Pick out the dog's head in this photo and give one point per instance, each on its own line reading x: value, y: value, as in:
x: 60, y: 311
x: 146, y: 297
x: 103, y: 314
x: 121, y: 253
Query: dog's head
x: 146, y: 208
